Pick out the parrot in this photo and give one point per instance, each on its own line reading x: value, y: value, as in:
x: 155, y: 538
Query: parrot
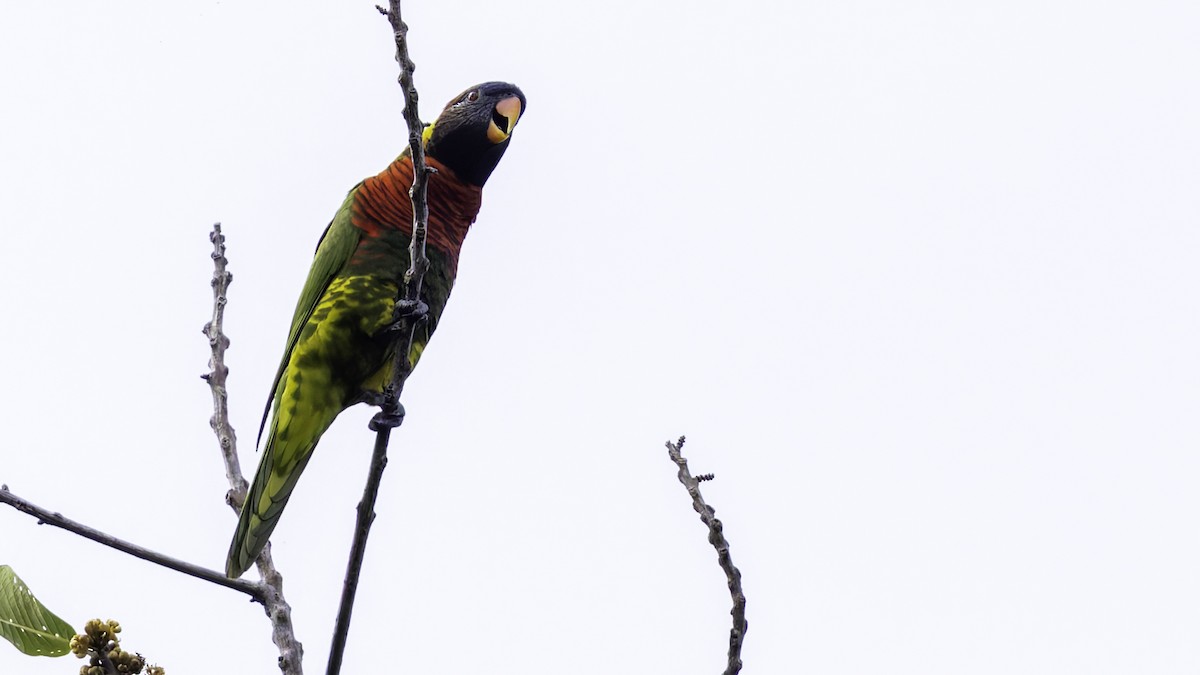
x: 339, y: 347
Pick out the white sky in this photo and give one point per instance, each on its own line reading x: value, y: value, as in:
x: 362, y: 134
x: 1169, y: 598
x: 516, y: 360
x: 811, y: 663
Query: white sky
x: 918, y: 282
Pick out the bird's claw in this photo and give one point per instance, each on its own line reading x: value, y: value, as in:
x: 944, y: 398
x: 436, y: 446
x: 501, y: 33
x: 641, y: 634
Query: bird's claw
x: 385, y: 419
x: 409, y: 309
x: 407, y: 313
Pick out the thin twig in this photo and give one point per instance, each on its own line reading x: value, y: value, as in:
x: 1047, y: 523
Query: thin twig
x: 269, y: 591
x: 717, y: 539
x: 365, y: 516
x: 391, y: 412
x: 218, y: 342
x: 58, y: 520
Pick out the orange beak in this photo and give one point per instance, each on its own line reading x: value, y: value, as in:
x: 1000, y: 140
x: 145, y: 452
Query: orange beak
x: 504, y: 119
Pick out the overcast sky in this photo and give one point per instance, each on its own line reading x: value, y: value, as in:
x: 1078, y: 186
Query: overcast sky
x: 918, y: 280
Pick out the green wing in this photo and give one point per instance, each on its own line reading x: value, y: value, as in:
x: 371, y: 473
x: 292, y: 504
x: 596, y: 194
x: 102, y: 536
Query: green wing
x: 333, y: 251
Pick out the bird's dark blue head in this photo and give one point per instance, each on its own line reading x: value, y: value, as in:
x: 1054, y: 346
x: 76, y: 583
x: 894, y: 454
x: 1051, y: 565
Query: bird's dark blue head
x: 473, y: 131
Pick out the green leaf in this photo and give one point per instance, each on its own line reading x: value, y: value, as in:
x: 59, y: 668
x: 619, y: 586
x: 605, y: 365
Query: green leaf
x: 26, y: 623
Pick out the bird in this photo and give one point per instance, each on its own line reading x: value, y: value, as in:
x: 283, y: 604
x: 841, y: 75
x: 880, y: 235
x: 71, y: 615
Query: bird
x: 339, y: 348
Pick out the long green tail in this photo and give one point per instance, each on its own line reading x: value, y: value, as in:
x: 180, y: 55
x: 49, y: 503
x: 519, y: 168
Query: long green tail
x: 260, y: 514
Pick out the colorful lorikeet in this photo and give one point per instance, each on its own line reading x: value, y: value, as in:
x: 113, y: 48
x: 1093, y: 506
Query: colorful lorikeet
x: 338, y: 348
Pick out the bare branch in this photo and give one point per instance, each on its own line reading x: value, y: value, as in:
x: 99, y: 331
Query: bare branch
x: 391, y: 413
x: 58, y: 520
x: 362, y: 526
x: 218, y: 342
x: 270, y: 590
x: 717, y: 539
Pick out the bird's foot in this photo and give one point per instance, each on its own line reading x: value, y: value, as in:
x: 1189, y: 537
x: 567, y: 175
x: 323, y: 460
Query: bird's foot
x: 387, y: 419
x: 407, y: 313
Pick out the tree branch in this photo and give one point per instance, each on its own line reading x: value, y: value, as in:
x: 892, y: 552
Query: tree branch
x: 58, y: 520
x: 362, y: 526
x: 269, y: 591
x: 391, y: 413
x: 218, y: 342
x: 717, y: 539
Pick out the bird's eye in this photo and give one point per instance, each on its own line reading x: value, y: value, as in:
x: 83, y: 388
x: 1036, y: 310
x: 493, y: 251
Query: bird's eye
x: 469, y: 97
